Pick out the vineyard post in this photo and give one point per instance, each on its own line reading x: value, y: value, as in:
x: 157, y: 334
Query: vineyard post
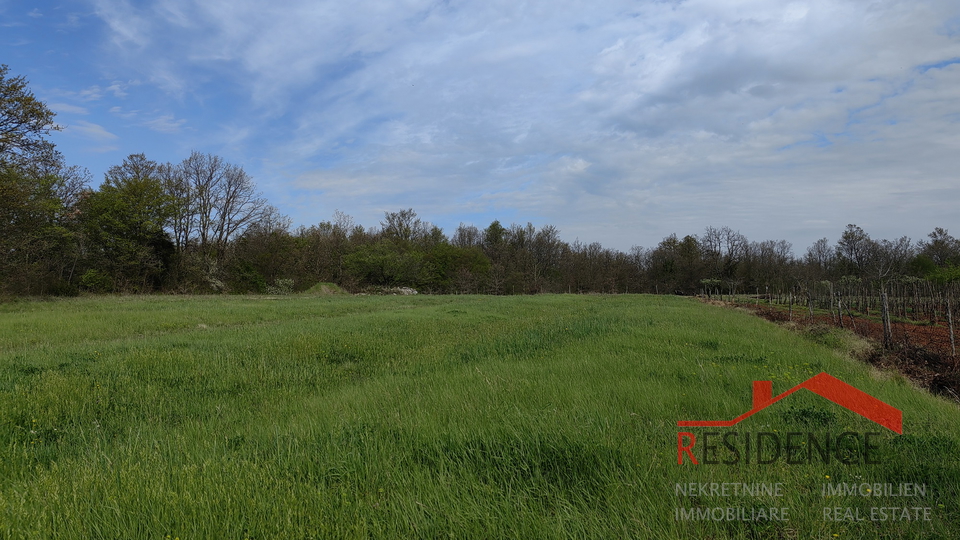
x: 887, y: 330
x: 830, y: 293
x: 953, y: 345
x: 840, y: 310
x: 853, y: 322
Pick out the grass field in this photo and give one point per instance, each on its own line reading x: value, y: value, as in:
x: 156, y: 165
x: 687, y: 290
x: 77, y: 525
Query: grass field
x: 428, y: 417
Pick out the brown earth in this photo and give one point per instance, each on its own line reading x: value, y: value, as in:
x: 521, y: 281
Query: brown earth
x: 921, y: 352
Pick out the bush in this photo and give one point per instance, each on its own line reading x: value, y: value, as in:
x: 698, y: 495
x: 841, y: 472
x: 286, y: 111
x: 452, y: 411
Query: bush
x: 96, y: 281
x: 63, y: 288
x: 281, y: 286
x: 243, y: 278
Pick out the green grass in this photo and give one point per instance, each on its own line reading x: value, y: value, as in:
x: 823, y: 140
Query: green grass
x: 423, y: 417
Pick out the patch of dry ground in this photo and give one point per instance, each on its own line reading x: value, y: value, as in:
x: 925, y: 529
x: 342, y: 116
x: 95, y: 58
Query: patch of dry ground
x: 921, y: 352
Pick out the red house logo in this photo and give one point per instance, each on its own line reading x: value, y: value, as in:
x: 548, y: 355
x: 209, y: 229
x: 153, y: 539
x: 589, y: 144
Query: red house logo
x: 825, y: 386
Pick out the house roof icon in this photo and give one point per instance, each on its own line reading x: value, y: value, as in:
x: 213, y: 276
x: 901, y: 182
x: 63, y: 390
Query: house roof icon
x: 826, y: 386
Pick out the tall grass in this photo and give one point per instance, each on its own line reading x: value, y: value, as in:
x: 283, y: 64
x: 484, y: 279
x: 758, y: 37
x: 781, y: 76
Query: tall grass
x: 420, y: 417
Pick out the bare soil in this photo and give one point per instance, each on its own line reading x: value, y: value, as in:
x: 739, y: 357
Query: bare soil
x: 921, y: 352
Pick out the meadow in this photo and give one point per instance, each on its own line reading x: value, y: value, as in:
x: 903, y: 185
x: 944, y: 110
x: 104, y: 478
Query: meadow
x: 551, y: 416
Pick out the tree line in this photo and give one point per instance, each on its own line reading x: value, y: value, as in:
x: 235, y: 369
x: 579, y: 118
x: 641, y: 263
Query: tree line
x: 201, y: 226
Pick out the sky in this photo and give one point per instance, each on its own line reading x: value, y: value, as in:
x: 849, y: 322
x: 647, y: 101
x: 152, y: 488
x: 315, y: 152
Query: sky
x: 619, y: 122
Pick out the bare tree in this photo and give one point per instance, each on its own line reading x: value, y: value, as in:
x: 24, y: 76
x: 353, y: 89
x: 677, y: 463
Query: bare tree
x: 821, y: 256
x: 853, y: 249
x: 768, y: 262
x: 640, y: 258
x: 404, y: 226
x: 343, y: 223
x: 183, y: 222
x: 203, y: 175
x: 223, y: 202
x: 889, y: 258
x: 271, y: 221
x: 546, y: 249
x: 467, y: 236
x: 724, y: 249
x: 71, y: 182
x: 239, y: 205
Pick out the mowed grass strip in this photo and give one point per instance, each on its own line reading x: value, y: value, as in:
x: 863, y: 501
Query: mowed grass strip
x: 423, y: 417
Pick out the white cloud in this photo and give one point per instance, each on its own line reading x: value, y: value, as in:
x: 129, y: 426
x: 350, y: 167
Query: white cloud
x: 165, y: 124
x: 127, y: 27
x: 102, y: 149
x: 92, y: 93
x: 73, y: 20
x: 125, y: 114
x: 67, y: 108
x: 90, y: 130
x: 118, y: 90
x: 777, y: 118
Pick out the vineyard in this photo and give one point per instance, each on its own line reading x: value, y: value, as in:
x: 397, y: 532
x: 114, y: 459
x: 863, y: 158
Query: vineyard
x: 914, y: 320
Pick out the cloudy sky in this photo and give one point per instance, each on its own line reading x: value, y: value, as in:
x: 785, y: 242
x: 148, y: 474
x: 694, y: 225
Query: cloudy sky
x: 616, y: 121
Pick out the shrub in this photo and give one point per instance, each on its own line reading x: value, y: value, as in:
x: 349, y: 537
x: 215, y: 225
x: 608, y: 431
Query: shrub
x: 96, y: 281
x: 281, y: 286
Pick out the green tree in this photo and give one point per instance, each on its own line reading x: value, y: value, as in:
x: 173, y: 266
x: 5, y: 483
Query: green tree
x: 676, y: 266
x: 29, y: 232
x: 38, y: 196
x: 264, y: 254
x: 453, y: 268
x: 123, y: 225
x: 24, y: 121
x: 321, y: 250
x: 385, y: 263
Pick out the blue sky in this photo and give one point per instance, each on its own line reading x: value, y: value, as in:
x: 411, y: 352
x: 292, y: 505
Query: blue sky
x: 619, y: 122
